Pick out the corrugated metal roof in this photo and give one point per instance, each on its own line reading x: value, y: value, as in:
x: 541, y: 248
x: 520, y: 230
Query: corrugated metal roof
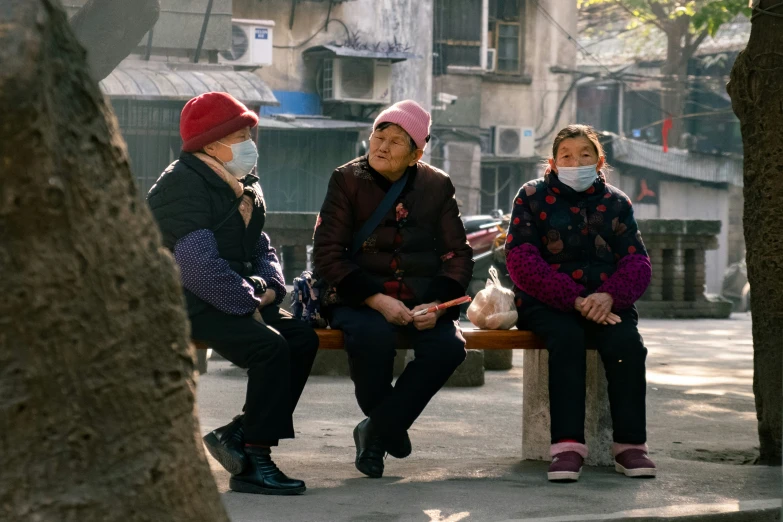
x: 680, y: 163
x: 161, y: 81
x: 291, y: 122
x: 349, y: 52
x: 640, y: 45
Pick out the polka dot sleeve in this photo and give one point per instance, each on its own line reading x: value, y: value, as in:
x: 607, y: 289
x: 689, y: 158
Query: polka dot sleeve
x: 537, y: 279
x: 629, y: 282
x: 267, y: 266
x: 210, y: 277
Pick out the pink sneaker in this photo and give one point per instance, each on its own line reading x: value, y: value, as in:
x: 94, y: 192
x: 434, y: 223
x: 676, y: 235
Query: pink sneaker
x: 565, y: 467
x: 634, y: 463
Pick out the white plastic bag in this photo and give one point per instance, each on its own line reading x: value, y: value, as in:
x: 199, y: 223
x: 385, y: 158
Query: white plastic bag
x: 493, y: 308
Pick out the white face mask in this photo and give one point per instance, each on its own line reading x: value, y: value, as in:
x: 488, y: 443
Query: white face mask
x: 578, y: 178
x: 245, y: 158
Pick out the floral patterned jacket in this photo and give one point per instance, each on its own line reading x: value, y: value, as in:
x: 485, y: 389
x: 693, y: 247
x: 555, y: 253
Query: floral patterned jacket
x: 419, y: 252
x: 564, y: 244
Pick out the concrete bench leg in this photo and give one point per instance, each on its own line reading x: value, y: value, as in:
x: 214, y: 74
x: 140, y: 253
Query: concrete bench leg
x: 201, y: 360
x: 535, y: 409
x: 470, y: 372
x: 498, y: 359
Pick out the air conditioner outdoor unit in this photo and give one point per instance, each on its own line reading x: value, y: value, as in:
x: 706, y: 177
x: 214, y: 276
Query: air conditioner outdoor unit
x: 251, y: 43
x: 491, y: 59
x: 356, y: 80
x: 517, y: 142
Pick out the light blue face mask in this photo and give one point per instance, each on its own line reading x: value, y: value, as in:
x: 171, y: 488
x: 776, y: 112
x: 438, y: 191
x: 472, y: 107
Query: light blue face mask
x: 245, y: 158
x: 578, y: 178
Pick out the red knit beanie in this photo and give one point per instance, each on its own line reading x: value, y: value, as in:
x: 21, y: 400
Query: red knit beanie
x: 212, y: 116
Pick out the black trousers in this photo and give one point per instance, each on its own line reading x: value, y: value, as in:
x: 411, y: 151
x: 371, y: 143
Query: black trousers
x: 623, y: 353
x: 371, y: 341
x: 278, y: 356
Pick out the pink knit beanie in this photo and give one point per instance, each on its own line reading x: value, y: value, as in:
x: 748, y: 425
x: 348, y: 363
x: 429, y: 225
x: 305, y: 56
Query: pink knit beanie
x: 411, y: 117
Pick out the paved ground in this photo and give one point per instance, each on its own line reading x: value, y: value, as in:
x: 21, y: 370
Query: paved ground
x: 466, y: 463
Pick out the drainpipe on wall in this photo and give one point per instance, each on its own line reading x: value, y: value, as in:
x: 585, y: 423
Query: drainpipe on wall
x: 620, y: 110
x: 148, y: 52
x: 484, y: 31
x: 203, y: 31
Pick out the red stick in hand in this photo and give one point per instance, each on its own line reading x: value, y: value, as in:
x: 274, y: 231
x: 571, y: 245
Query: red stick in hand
x: 447, y: 304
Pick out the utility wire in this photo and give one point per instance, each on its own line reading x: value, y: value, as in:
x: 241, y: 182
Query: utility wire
x: 588, y: 54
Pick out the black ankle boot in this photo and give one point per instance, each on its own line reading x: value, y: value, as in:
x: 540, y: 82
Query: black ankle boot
x: 398, y: 445
x: 262, y: 476
x: 369, y: 450
x: 227, y: 445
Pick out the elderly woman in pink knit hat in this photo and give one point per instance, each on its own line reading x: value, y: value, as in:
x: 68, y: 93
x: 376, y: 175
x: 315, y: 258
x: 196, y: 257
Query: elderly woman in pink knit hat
x: 390, y: 241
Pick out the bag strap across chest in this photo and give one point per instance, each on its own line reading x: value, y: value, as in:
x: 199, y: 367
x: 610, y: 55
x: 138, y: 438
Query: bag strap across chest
x: 380, y: 211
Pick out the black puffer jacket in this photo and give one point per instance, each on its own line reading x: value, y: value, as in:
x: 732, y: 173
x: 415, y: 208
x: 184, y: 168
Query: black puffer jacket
x: 190, y: 196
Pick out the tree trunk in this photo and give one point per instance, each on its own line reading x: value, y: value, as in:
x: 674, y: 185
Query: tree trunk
x: 675, y: 90
x: 756, y: 90
x: 97, y: 402
x: 111, y: 29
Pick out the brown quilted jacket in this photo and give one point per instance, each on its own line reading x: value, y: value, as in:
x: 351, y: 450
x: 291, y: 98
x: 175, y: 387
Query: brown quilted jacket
x: 418, y: 253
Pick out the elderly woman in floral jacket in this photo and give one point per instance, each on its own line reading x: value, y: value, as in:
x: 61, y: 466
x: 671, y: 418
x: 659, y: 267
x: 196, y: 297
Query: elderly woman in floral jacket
x: 579, y: 264
x: 417, y: 257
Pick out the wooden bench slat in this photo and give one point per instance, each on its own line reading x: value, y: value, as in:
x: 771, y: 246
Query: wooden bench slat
x: 475, y: 339
x: 501, y: 340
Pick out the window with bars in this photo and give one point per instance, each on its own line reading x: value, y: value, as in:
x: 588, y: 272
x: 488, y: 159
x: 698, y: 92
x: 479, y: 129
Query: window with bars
x: 499, y: 185
x: 151, y: 132
x: 458, y: 34
x: 457, y: 37
x: 506, y: 34
x: 295, y: 165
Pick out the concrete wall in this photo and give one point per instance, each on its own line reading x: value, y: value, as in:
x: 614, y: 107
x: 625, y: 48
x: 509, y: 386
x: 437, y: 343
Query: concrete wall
x: 180, y: 22
x: 409, y: 21
x: 466, y: 110
x: 529, y: 100
x: 462, y: 160
x: 536, y: 104
x: 687, y: 200
x: 692, y: 201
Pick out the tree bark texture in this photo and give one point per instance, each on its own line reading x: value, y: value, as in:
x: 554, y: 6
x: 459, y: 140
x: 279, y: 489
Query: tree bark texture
x: 111, y: 29
x: 675, y: 90
x: 756, y: 90
x: 97, y: 403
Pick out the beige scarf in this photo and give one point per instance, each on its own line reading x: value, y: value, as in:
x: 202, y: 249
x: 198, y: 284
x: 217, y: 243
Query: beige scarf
x: 246, y: 206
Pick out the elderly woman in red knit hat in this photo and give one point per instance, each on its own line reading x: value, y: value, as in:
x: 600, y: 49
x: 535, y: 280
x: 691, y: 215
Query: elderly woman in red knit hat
x: 211, y: 212
x: 390, y: 240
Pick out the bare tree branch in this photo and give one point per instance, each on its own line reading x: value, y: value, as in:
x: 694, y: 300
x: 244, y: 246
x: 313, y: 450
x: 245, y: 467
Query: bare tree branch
x: 656, y: 22
x: 693, y: 46
x: 660, y: 13
x: 111, y: 29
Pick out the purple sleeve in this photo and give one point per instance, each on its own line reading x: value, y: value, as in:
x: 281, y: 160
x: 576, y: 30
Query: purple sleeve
x: 207, y: 275
x: 267, y: 266
x: 536, y: 278
x: 629, y: 282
